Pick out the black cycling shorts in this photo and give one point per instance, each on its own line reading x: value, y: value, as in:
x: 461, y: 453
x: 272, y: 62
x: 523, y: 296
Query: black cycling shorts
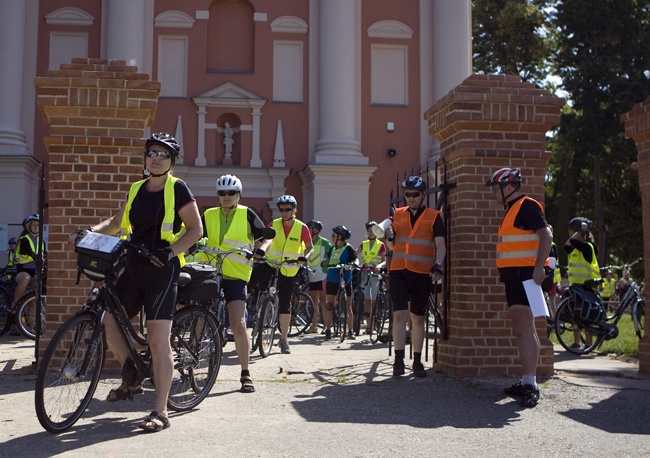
x: 316, y: 285
x: 154, y: 287
x: 332, y: 288
x: 234, y: 290
x: 515, y: 293
x: 260, y: 277
x: 407, y: 286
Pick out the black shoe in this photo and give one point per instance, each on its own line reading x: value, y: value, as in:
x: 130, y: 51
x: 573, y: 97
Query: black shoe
x: 328, y: 334
x: 398, y: 368
x: 418, y: 369
x: 350, y: 336
x: 515, y: 390
x: 529, y: 396
x: 14, y: 331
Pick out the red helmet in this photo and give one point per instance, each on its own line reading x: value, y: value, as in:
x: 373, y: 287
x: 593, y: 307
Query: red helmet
x: 505, y: 176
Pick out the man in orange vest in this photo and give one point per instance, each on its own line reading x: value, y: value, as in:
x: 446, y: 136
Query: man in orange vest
x: 523, y: 246
x: 417, y: 238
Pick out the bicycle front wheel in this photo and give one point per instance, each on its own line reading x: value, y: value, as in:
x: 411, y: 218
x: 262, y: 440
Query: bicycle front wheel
x: 196, y: 346
x: 268, y: 323
x: 26, y: 316
x: 638, y: 317
x: 575, y: 337
x: 302, y: 311
x: 69, y: 372
x: 342, y: 315
x: 358, y: 308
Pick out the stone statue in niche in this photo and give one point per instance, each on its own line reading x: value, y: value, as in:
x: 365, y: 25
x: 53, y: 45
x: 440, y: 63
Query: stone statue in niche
x: 228, y: 140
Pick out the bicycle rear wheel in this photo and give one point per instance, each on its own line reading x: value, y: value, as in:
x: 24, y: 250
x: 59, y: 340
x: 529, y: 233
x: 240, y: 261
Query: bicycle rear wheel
x: 577, y: 338
x: 302, y: 311
x: 26, y: 311
x: 377, y: 318
x: 268, y: 323
x: 253, y: 309
x: 342, y: 314
x: 358, y: 309
x: 638, y: 317
x: 196, y: 346
x: 434, y: 320
x: 6, y: 296
x: 69, y: 372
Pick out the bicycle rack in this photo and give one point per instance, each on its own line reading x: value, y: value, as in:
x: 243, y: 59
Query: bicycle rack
x: 436, y: 190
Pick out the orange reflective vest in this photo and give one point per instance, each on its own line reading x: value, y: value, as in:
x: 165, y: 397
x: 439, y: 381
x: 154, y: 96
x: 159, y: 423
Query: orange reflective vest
x: 415, y: 248
x: 516, y: 248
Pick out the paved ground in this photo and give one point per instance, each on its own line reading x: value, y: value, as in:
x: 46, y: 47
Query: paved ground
x: 340, y: 400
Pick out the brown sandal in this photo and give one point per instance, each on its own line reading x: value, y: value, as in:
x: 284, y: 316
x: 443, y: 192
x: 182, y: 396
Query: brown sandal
x: 154, y: 423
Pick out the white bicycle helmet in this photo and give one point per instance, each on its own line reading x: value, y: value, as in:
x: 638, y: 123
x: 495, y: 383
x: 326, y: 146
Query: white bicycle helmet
x: 229, y: 183
x: 287, y: 199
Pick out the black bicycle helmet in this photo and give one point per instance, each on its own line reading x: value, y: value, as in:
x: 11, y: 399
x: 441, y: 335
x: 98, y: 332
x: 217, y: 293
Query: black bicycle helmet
x: 287, y: 199
x: 342, y: 231
x: 13, y: 241
x: 414, y: 183
x: 505, y: 176
x: 166, y: 140
x: 576, y: 223
x: 34, y: 217
x: 315, y: 223
x: 369, y: 224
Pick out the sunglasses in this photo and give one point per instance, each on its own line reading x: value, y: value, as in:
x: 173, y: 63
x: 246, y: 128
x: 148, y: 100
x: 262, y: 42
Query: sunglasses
x: 161, y: 154
x: 411, y: 194
x: 226, y: 193
x: 285, y: 210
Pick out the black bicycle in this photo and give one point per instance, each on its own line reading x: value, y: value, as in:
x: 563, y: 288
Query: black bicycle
x: 341, y: 304
x: 71, y: 366
x: 358, y: 297
x: 582, y: 311
x: 380, y: 317
x: 23, y: 314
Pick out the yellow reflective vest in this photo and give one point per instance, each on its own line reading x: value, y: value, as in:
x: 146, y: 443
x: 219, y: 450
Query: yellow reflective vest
x: 580, y: 270
x: 371, y: 254
x: 285, y: 248
x: 234, y: 265
x: 167, y: 227
x: 25, y: 258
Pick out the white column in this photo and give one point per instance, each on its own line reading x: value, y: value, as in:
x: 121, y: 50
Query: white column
x: 200, y: 140
x: 255, y: 146
x: 125, y: 28
x: 12, y: 52
x: 452, y: 44
x: 338, y: 142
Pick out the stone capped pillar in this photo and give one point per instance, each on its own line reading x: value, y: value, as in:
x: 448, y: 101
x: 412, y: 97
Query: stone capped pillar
x: 637, y: 127
x: 485, y: 123
x: 97, y: 110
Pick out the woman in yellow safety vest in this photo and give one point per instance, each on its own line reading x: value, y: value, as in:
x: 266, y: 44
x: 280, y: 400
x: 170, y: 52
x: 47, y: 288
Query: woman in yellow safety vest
x: 161, y: 214
x: 583, y: 264
x: 26, y: 253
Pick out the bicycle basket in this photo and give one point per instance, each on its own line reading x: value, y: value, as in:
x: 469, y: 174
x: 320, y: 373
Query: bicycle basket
x: 589, y: 306
x: 99, y: 256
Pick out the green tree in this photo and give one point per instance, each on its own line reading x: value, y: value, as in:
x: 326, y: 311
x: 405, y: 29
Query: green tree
x: 602, y: 58
x: 510, y: 38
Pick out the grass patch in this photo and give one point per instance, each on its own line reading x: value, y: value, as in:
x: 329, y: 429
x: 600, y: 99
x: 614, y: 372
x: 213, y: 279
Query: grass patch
x: 626, y: 343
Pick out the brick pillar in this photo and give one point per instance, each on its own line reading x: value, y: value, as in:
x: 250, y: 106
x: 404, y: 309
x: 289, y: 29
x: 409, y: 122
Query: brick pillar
x: 485, y: 123
x: 97, y: 110
x: 637, y: 127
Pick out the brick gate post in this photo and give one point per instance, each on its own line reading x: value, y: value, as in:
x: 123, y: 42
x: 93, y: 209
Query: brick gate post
x: 97, y: 110
x: 485, y: 123
x: 637, y: 127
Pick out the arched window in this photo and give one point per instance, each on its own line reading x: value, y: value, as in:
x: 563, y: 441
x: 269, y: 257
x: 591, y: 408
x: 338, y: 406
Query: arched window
x: 231, y: 36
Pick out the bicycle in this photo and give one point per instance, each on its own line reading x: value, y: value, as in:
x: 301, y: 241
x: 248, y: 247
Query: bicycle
x: 302, y: 305
x: 380, y: 317
x: 358, y: 297
x: 23, y: 314
x: 583, y: 310
x: 267, y: 304
x: 341, y: 304
x: 71, y: 367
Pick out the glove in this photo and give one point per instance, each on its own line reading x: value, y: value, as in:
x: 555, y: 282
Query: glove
x: 302, y: 259
x: 260, y: 252
x: 436, y: 269
x: 164, y: 255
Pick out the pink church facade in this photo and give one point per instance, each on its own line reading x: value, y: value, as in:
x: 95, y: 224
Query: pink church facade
x: 315, y: 92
